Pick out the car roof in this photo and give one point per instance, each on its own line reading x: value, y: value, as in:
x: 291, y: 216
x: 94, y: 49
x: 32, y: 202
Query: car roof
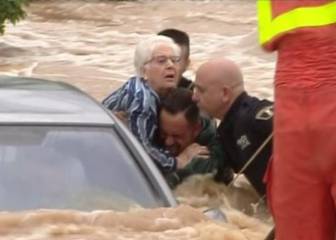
x: 32, y: 100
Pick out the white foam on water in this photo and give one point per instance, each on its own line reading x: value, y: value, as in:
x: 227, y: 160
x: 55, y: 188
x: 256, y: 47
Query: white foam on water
x: 100, y: 38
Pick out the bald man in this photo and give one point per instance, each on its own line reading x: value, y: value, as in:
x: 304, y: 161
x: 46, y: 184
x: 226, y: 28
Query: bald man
x: 246, y: 122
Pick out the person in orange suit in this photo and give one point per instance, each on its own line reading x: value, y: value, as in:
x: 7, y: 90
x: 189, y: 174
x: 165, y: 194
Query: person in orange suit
x: 302, y: 176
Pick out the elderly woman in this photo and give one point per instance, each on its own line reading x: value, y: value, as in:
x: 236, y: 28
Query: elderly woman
x: 156, y: 62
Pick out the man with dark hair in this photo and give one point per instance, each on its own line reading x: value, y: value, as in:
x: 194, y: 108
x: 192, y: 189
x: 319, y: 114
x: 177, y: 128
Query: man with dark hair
x: 181, y: 38
x: 183, y: 129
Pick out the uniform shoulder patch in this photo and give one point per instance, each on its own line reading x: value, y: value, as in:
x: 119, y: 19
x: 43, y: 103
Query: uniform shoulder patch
x: 265, y: 113
x: 243, y: 142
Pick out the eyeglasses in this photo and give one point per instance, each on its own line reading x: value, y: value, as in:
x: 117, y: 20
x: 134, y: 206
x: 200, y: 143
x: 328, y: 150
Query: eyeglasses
x: 163, y: 60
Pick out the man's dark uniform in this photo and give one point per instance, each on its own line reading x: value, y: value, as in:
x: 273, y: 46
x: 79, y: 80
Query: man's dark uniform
x: 243, y: 130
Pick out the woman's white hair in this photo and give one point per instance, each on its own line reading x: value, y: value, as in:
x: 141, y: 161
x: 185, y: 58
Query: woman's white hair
x: 144, y: 51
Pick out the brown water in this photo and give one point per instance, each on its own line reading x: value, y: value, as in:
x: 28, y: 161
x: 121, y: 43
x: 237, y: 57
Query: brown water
x: 182, y: 223
x: 90, y: 44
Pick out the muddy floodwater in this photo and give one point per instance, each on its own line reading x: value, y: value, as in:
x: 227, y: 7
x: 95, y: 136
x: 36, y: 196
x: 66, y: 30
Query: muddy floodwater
x: 90, y: 44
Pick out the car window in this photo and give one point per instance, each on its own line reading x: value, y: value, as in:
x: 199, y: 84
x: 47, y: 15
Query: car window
x: 83, y: 168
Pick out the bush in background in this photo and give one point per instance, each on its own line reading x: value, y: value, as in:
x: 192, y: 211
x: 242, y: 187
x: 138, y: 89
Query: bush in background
x: 11, y: 11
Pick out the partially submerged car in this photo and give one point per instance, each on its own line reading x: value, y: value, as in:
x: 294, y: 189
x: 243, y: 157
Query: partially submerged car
x: 60, y: 149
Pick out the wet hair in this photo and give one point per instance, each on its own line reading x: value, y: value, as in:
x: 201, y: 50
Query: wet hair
x: 181, y: 38
x: 180, y: 100
x: 145, y: 48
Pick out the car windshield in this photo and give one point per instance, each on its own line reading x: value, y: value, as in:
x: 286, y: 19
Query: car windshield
x: 82, y: 168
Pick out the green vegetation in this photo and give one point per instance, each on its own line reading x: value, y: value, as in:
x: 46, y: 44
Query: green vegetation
x: 12, y: 11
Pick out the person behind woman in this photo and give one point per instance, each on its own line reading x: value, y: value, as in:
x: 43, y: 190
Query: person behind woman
x: 155, y: 60
x: 181, y: 38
